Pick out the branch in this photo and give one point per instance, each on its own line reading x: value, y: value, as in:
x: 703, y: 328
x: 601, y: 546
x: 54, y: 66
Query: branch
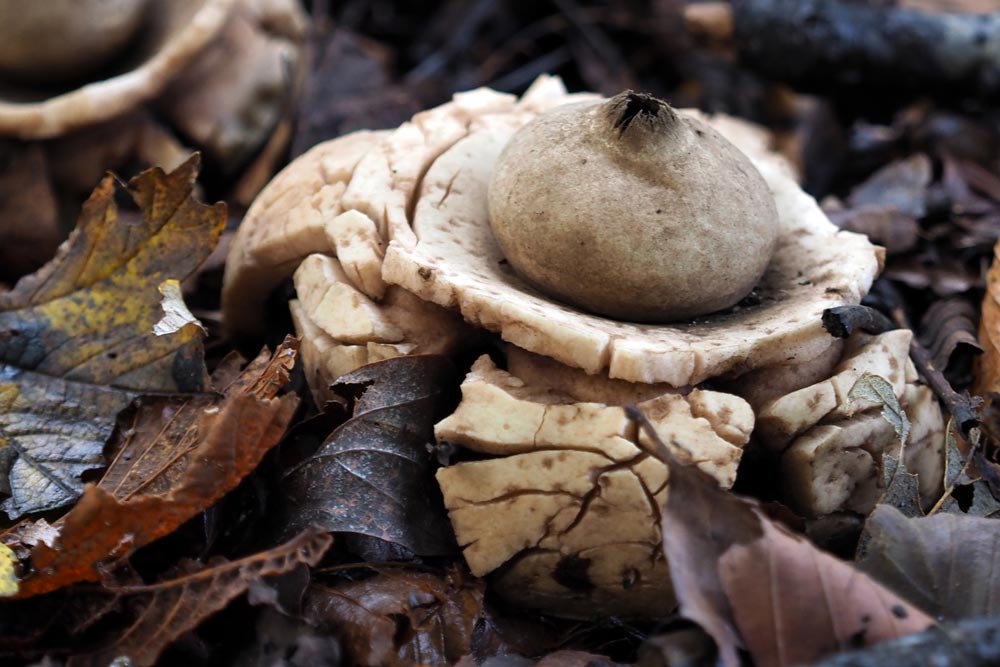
x: 814, y: 43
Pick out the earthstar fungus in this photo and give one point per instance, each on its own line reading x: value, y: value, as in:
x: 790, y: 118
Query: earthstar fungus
x: 626, y: 208
x: 388, y: 238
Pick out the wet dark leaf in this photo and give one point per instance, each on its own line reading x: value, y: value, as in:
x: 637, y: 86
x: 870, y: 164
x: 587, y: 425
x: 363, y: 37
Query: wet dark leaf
x: 970, y: 643
x: 373, y: 476
x: 350, y: 87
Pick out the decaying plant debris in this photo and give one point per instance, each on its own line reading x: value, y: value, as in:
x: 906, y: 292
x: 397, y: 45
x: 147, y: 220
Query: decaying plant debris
x: 456, y: 458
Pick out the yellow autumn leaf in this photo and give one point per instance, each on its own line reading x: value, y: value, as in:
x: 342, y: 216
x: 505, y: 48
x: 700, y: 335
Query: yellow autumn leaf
x: 76, y: 338
x: 8, y: 574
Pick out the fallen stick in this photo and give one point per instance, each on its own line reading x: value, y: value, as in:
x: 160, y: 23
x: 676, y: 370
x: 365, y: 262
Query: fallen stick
x: 820, y: 44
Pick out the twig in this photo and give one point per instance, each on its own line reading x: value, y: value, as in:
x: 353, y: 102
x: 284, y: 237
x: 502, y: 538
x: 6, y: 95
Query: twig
x: 842, y: 321
x: 660, y: 450
x: 964, y: 409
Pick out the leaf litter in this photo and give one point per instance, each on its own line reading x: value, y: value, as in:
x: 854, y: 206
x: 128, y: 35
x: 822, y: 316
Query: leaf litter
x: 76, y: 337
x: 924, y: 184
x: 753, y: 585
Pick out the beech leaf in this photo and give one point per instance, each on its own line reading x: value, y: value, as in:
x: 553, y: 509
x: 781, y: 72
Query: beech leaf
x: 175, y: 461
x: 794, y: 603
x: 373, y: 476
x: 749, y: 583
x: 76, y: 338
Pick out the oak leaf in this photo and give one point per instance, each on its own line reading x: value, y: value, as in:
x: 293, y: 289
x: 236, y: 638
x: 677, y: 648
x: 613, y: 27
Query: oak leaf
x: 76, y: 338
x: 176, y: 460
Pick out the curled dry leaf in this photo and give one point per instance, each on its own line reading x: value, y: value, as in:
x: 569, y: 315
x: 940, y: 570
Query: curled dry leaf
x: 752, y: 584
x: 166, y: 610
x: 175, y: 462
x: 76, y: 338
x: 988, y: 369
x: 948, y: 331
x: 946, y: 564
x: 373, y: 475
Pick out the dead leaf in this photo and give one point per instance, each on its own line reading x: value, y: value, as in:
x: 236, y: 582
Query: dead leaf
x: 875, y: 389
x: 945, y: 564
x: 166, y: 610
x: 987, y: 372
x: 401, y: 618
x: 373, y: 475
x: 176, y: 461
x: 8, y: 572
x: 76, y: 338
x: 176, y: 315
x: 902, y: 489
x: 794, y: 604
x: 751, y: 584
x: 948, y: 331
x: 901, y: 185
x: 885, y: 225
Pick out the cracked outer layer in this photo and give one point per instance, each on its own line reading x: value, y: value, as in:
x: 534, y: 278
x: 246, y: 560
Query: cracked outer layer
x: 569, y: 510
x: 452, y: 259
x: 287, y: 222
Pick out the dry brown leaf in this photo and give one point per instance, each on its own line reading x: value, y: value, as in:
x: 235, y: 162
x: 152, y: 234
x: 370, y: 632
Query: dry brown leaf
x: 401, y: 618
x: 988, y: 369
x: 947, y: 563
x: 794, y: 604
x: 751, y: 584
x: 949, y: 327
x: 169, y: 609
x: 76, y: 338
x: 177, y: 461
